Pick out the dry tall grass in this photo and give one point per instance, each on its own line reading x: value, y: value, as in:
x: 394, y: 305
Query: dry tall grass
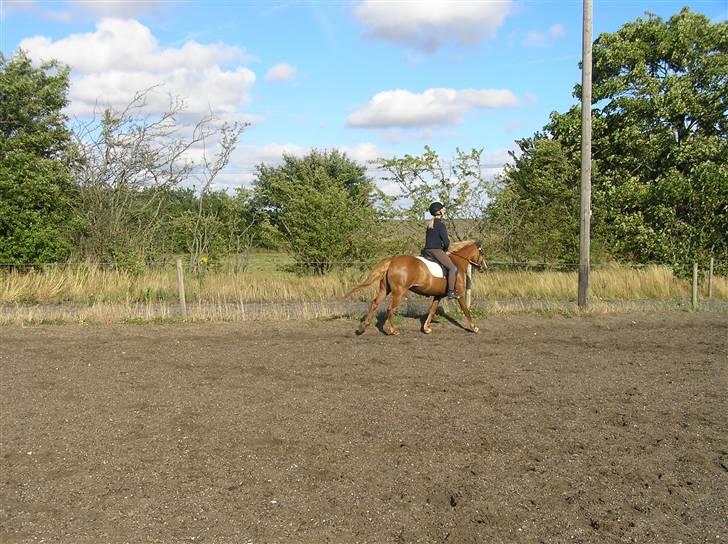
x: 613, y: 283
x: 102, y: 295
x: 91, y: 284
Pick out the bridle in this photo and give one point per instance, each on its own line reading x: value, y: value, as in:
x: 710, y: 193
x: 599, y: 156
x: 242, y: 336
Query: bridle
x: 476, y: 265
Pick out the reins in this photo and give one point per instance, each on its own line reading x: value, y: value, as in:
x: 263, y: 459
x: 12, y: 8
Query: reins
x: 476, y: 265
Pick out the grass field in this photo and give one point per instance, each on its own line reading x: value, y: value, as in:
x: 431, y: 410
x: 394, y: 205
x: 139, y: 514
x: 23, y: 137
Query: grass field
x: 266, y: 280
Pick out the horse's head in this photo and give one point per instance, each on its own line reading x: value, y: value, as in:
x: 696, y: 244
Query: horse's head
x: 472, y: 251
x: 479, y: 259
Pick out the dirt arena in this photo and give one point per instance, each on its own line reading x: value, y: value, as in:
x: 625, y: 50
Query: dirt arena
x: 538, y: 429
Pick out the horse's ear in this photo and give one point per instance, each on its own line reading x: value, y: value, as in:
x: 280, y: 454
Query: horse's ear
x: 479, y: 244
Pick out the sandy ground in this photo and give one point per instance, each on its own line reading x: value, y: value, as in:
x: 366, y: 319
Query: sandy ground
x: 538, y: 429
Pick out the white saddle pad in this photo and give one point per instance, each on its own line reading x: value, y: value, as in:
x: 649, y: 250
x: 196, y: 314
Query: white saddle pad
x: 435, y: 268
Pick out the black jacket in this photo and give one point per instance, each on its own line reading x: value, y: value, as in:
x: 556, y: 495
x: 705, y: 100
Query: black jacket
x: 436, y: 237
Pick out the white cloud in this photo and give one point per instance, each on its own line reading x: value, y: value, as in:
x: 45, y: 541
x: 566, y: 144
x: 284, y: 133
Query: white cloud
x: 273, y: 153
x: 280, y: 72
x: 122, y: 57
x: 428, y: 25
x: 241, y: 171
x: 498, y: 157
x: 544, y: 38
x: 364, y: 152
x: 493, y: 162
x: 242, y: 168
x: 433, y: 107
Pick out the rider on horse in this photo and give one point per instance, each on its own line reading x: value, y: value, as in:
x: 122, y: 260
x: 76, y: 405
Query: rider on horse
x: 436, y: 244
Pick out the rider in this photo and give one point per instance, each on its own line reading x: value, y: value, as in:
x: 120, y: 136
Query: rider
x: 436, y: 244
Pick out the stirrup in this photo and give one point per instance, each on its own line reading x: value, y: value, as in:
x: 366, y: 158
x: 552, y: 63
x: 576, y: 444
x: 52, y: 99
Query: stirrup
x: 452, y: 295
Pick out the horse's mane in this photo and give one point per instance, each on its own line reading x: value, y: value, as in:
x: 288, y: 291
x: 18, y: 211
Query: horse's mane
x: 457, y: 246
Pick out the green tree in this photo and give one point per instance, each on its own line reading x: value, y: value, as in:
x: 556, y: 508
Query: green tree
x: 229, y: 223
x: 536, y: 213
x: 36, y: 191
x: 662, y: 88
x: 659, y: 173
x: 421, y: 179
x: 322, y: 205
x: 129, y: 164
x: 215, y: 225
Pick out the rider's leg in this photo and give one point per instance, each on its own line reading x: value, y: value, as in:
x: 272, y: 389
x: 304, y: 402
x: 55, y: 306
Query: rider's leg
x: 452, y: 270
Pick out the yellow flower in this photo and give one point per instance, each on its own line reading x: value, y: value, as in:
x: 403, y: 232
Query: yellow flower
x: 203, y: 260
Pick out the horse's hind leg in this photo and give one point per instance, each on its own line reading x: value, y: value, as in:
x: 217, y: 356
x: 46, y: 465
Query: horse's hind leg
x: 378, y: 299
x: 396, y: 299
x: 433, y: 308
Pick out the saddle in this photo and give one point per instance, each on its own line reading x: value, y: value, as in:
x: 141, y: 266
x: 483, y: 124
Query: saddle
x: 435, y: 268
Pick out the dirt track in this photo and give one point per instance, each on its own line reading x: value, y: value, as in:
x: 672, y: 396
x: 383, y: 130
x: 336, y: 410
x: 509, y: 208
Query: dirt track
x: 601, y: 429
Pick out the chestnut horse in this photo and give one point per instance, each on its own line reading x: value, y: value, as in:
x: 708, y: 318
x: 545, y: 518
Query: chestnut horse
x: 399, y: 274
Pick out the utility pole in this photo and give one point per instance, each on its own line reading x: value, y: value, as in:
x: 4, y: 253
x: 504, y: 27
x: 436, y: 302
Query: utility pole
x: 586, y: 129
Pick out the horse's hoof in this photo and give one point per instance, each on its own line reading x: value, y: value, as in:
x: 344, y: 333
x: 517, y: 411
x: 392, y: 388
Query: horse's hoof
x: 427, y: 330
x: 359, y: 332
x: 393, y: 333
x: 476, y: 329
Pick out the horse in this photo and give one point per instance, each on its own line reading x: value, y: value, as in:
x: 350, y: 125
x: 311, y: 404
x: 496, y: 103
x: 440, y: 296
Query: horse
x: 403, y: 273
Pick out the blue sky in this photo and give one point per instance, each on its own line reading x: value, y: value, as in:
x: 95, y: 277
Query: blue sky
x: 371, y: 78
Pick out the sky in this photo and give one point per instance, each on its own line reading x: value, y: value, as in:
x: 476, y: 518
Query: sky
x: 370, y: 78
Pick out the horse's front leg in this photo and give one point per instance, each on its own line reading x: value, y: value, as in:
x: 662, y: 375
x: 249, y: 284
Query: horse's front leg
x: 433, y: 308
x: 469, y: 317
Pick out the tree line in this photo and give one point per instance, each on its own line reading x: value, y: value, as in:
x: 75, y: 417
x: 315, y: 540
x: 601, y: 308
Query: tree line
x: 125, y: 187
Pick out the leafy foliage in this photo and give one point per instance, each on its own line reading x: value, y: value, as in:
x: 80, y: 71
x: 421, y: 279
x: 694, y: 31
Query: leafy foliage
x: 421, y: 179
x: 662, y: 148
x: 659, y: 173
x: 536, y: 213
x: 214, y: 225
x: 36, y: 191
x: 129, y: 163
x: 322, y: 207
x: 112, y: 189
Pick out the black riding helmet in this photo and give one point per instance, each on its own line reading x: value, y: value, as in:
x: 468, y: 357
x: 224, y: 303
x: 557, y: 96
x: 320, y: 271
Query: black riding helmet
x: 435, y: 207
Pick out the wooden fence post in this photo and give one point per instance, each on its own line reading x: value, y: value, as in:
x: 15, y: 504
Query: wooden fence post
x: 469, y: 285
x: 181, y: 288
x: 710, y: 278
x: 695, y: 286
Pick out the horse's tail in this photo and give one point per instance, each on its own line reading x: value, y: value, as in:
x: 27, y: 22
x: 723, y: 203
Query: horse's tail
x: 377, y: 273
